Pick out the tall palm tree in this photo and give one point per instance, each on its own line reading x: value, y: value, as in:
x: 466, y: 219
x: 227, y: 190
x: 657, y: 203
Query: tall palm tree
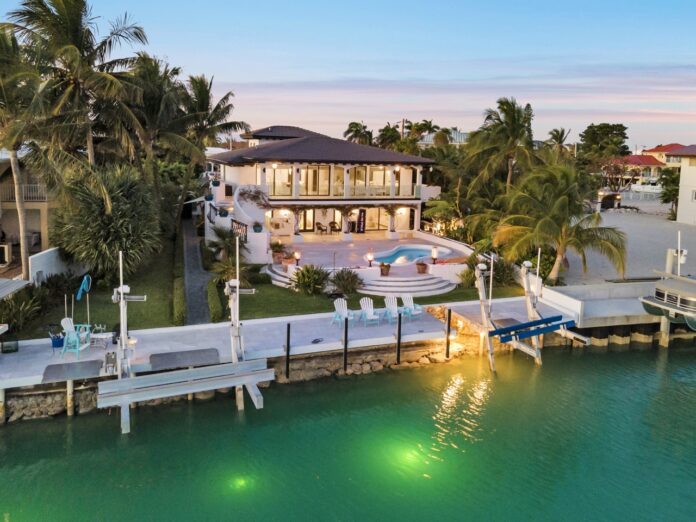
x: 19, y: 88
x: 357, y: 132
x: 504, y: 141
x: 557, y: 140
x: 80, y: 66
x: 547, y: 210
x: 210, y: 120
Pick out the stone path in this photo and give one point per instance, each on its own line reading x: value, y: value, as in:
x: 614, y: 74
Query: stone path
x: 195, y: 278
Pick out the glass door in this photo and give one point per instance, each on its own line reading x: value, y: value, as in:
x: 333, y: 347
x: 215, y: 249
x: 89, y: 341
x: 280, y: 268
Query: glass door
x: 307, y: 220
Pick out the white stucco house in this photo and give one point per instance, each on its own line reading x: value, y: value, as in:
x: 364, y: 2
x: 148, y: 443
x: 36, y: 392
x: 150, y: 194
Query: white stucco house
x: 686, y: 157
x: 290, y: 182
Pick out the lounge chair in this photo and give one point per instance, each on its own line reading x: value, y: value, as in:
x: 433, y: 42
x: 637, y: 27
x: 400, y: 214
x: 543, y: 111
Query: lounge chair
x: 341, y: 312
x: 391, y: 309
x: 367, y: 312
x: 410, y: 308
x: 322, y: 228
x: 76, y: 337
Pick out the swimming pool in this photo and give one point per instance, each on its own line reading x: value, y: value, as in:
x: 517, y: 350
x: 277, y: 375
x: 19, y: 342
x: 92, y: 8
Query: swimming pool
x: 403, y: 254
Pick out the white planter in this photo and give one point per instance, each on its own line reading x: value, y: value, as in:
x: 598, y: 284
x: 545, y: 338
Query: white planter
x: 346, y: 236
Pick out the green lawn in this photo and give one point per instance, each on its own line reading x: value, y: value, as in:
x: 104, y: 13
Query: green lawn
x: 270, y: 301
x: 154, y: 279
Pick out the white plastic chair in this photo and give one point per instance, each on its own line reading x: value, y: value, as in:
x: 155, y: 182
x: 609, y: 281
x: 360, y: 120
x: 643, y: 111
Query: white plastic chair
x: 76, y: 337
x: 367, y: 311
x: 410, y: 308
x: 391, y: 308
x: 341, y: 312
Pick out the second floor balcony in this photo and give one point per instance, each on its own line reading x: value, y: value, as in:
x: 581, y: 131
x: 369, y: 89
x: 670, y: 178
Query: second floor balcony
x: 32, y: 192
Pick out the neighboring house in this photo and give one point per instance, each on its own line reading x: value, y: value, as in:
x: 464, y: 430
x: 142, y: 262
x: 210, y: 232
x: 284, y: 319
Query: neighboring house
x: 295, y: 181
x: 37, y: 203
x: 686, y: 212
x: 640, y: 169
x: 662, y: 153
x: 455, y: 138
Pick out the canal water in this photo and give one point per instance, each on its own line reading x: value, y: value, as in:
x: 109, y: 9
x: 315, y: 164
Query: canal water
x: 586, y: 437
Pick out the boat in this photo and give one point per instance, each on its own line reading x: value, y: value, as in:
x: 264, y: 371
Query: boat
x: 674, y: 298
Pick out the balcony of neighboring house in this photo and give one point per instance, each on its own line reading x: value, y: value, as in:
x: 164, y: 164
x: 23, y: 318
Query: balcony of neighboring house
x: 32, y: 193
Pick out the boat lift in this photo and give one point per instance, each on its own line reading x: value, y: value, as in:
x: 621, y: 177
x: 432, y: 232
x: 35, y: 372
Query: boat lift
x: 515, y: 334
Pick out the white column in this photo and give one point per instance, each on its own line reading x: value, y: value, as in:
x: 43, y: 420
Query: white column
x: 262, y: 180
x: 419, y: 183
x: 346, y: 182
x: 295, y: 181
x: 331, y: 180
x: 392, y: 183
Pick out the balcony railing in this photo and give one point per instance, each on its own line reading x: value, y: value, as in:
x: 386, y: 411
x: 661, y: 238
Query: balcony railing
x: 359, y: 192
x: 30, y: 192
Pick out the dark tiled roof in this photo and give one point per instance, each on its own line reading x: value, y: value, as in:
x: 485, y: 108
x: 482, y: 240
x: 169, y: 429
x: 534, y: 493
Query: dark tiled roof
x: 317, y: 149
x: 689, y: 150
x: 279, y: 132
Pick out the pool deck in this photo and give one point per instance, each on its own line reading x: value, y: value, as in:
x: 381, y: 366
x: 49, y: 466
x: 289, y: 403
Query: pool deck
x: 263, y: 338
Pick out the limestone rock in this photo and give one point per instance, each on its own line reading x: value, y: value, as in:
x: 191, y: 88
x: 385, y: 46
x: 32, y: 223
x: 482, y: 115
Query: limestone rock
x: 424, y: 360
x: 204, y: 395
x: 366, y: 368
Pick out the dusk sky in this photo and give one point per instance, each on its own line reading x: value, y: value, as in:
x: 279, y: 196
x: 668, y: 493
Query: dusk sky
x: 320, y: 64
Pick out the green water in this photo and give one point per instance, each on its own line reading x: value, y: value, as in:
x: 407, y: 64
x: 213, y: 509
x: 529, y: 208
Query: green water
x: 586, y: 437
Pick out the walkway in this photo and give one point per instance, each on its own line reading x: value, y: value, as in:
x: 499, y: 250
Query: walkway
x: 195, y: 278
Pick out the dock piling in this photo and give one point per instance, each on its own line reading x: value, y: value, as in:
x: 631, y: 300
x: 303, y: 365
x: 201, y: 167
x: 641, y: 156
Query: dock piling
x: 447, y: 333
x: 70, y: 397
x: 2, y: 406
x: 287, y: 352
x: 345, y: 344
x: 398, y: 338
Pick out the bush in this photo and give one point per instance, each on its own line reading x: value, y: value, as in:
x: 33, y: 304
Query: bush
x: 259, y: 279
x: 214, y: 303
x: 57, y: 285
x: 310, y: 280
x: 179, y: 302
x: 110, y: 210
x: 19, y: 308
x: 346, y: 281
x: 504, y: 273
x: 207, y: 256
x: 467, y: 277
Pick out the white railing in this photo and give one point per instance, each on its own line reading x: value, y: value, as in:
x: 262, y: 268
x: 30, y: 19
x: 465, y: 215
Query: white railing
x: 31, y: 192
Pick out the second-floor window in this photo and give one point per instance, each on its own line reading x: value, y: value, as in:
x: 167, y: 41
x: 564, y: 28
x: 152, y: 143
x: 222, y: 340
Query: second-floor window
x: 315, y: 180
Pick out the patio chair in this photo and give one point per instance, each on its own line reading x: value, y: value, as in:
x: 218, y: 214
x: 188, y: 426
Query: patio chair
x: 391, y: 309
x: 410, y: 308
x: 322, y: 229
x: 76, y: 337
x: 333, y: 226
x: 367, y: 312
x: 341, y: 312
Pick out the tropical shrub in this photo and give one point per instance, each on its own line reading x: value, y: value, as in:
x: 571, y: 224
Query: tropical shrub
x: 346, y: 281
x: 226, y: 269
x: 179, y: 302
x: 467, y: 277
x: 259, y: 279
x: 309, y: 279
x: 111, y: 211
x: 504, y: 273
x: 214, y: 303
x: 19, y: 308
x: 207, y: 256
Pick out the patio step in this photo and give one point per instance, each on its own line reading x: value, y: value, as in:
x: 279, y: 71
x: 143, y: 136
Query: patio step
x: 416, y: 286
x: 278, y: 277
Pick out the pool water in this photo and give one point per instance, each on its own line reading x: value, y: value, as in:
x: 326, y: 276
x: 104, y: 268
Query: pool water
x: 408, y: 254
x: 585, y: 437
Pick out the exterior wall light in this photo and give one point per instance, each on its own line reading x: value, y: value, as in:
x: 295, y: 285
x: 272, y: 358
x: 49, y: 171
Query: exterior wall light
x: 274, y: 166
x: 434, y: 253
x: 370, y: 258
x: 297, y: 256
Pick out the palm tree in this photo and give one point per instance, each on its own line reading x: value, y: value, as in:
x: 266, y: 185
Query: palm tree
x: 80, y: 68
x: 669, y: 181
x: 388, y: 136
x: 19, y: 87
x: 557, y: 139
x: 547, y: 210
x: 225, y: 242
x: 504, y: 141
x: 210, y: 120
x: 357, y: 132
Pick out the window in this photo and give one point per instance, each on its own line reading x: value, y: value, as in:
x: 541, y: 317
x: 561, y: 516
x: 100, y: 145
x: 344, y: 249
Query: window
x: 279, y: 181
x: 229, y: 191
x: 315, y: 180
x: 693, y: 195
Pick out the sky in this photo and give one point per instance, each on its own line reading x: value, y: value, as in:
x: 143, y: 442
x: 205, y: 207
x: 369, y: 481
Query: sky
x: 321, y: 64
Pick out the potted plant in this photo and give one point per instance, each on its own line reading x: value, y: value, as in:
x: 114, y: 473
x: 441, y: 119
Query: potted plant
x: 421, y: 267
x: 209, y: 197
x: 223, y: 213
x: 257, y: 227
x: 278, y: 252
x: 384, y: 269
x: 216, y: 183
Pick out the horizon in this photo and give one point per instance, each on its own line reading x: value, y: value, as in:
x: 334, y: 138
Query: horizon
x: 345, y: 63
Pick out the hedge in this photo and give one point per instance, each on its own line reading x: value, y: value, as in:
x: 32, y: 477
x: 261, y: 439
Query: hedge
x: 179, y: 304
x: 214, y: 303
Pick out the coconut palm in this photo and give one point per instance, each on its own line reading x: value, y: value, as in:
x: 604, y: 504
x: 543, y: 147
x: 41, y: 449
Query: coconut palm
x: 557, y: 140
x: 504, y: 141
x: 357, y: 132
x: 388, y: 136
x: 19, y: 89
x: 669, y: 181
x: 80, y: 67
x: 547, y: 210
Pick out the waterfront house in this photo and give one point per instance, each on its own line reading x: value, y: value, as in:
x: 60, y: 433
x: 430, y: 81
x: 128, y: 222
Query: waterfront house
x: 686, y: 156
x: 663, y: 153
x: 290, y: 182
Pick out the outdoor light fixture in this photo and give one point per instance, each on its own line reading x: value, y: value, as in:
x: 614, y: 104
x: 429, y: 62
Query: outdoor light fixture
x: 274, y: 166
x: 370, y: 258
x: 298, y: 256
x: 433, y: 254
x: 397, y: 168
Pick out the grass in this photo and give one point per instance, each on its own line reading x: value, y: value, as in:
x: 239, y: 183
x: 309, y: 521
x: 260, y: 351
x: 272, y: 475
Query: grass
x: 271, y: 301
x: 154, y: 279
